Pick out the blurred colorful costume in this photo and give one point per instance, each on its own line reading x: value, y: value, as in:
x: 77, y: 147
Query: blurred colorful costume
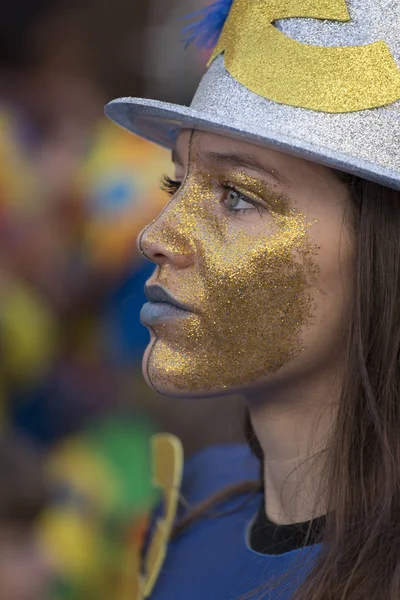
x: 102, y: 480
x: 58, y: 241
x: 68, y: 228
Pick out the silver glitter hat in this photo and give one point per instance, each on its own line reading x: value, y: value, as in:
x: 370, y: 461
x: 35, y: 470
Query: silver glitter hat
x: 315, y: 78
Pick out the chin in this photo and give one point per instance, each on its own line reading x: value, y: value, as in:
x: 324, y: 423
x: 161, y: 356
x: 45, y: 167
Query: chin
x: 167, y: 377
x: 161, y: 382
x: 178, y: 372
x: 177, y: 382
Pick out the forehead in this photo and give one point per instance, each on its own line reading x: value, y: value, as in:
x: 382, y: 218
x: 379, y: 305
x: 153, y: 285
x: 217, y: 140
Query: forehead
x: 290, y: 171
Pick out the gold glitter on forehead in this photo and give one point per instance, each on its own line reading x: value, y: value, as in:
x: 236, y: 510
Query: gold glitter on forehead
x: 248, y: 288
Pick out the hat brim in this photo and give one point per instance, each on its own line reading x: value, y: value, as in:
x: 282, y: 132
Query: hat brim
x: 161, y: 122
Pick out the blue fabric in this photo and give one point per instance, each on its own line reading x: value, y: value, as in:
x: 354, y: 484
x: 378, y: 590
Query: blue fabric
x: 211, y: 560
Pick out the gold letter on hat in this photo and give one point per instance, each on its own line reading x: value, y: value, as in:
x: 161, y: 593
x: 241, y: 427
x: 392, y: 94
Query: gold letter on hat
x: 333, y: 79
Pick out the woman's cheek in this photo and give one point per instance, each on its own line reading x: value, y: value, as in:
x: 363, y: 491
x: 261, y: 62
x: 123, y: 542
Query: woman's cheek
x: 252, y: 292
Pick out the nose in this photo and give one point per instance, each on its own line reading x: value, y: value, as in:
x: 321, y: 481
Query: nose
x: 164, y: 244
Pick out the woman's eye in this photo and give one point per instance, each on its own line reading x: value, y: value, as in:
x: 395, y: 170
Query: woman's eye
x: 236, y: 201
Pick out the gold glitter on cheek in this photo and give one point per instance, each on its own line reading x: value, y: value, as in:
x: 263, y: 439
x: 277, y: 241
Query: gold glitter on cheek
x: 249, y: 291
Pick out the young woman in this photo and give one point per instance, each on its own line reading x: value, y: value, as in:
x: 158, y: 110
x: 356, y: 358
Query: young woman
x: 277, y: 276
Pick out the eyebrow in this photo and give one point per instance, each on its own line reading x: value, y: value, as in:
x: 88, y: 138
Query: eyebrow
x: 235, y: 158
x: 241, y: 159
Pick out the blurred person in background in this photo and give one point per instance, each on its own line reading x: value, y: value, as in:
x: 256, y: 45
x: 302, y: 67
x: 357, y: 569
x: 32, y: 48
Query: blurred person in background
x: 26, y: 570
x: 74, y: 192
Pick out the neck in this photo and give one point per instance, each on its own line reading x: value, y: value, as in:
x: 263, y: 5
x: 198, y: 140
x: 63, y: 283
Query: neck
x: 292, y: 425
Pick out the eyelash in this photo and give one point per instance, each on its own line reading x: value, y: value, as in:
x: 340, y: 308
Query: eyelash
x: 171, y: 186
x: 168, y: 185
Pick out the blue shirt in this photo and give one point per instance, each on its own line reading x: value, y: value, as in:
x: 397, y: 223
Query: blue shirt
x: 212, y: 559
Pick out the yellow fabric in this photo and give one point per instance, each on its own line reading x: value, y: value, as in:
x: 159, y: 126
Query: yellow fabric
x: 168, y: 468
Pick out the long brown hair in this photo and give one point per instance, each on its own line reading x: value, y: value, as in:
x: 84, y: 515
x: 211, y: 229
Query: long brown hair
x: 360, y: 554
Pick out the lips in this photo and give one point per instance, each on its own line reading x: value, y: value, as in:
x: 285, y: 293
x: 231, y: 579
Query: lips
x: 162, y: 306
x: 158, y: 293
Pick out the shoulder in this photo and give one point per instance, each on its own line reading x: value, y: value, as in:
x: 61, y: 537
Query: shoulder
x: 215, y: 467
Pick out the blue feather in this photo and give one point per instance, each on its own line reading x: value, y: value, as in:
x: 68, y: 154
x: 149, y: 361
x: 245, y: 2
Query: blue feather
x: 204, y: 33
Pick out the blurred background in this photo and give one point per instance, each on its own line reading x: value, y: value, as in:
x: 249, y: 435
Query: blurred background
x: 75, y: 190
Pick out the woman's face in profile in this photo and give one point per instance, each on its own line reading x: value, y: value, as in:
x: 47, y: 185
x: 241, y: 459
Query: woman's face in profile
x: 253, y: 283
